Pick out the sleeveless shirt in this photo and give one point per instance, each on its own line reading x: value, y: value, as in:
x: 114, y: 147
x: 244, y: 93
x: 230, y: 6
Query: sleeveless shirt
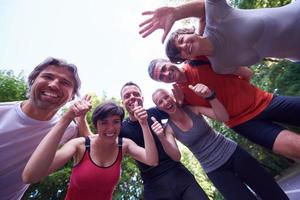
x: 92, y: 182
x: 210, y: 148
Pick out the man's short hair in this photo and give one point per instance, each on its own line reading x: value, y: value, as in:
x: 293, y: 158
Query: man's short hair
x: 152, y: 66
x: 57, y: 63
x: 130, y: 83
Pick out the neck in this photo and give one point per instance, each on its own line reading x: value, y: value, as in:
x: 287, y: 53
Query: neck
x: 35, y: 112
x: 177, y: 114
x: 104, y: 144
x: 206, y: 47
x: 132, y: 117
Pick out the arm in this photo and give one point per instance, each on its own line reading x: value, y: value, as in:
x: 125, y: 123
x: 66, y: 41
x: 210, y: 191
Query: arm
x: 147, y: 155
x: 164, y: 17
x: 167, y: 139
x: 81, y: 121
x: 46, y: 159
x: 245, y: 73
x: 217, y: 110
x: 177, y: 95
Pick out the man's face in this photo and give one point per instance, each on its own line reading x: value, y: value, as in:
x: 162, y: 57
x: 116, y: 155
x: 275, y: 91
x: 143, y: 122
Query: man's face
x: 130, y: 95
x: 166, y: 72
x: 52, y: 88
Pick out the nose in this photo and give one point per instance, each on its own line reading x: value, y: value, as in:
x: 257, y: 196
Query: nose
x: 54, y: 84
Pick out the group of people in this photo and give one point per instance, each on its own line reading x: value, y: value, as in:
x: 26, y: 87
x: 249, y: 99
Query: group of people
x: 214, y: 81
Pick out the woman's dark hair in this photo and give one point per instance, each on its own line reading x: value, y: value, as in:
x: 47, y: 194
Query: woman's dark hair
x: 107, y: 109
x: 172, y: 51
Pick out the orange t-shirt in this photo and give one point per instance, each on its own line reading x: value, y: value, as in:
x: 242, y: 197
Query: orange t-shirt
x: 242, y: 100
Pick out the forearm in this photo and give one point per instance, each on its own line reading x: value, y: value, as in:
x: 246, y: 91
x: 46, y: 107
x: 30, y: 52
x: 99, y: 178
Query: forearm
x: 150, y: 146
x: 83, y: 127
x: 41, y: 159
x: 219, y: 110
x: 171, y: 149
x: 191, y: 9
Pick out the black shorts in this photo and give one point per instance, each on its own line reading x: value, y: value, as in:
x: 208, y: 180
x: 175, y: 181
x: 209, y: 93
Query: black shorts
x: 264, y: 128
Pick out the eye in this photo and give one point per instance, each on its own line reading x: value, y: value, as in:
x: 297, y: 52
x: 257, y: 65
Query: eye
x: 126, y: 96
x: 117, y: 122
x: 66, y: 83
x: 136, y: 94
x: 48, y: 77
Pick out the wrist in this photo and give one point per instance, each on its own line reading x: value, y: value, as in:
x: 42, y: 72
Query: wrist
x: 212, y: 96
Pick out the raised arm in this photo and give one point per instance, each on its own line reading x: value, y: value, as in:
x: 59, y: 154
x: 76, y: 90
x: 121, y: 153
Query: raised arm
x: 164, y: 17
x: 81, y: 121
x: 147, y: 155
x: 217, y: 110
x: 46, y: 159
x: 167, y: 139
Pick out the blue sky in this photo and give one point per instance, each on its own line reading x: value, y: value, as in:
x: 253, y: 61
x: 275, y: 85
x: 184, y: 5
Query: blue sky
x: 100, y: 37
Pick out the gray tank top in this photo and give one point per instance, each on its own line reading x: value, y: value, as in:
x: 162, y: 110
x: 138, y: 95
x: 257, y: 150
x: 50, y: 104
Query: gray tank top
x: 210, y: 148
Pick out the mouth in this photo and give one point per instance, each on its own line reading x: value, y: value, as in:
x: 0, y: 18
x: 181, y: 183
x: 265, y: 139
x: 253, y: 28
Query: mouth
x: 50, y: 94
x: 109, y: 134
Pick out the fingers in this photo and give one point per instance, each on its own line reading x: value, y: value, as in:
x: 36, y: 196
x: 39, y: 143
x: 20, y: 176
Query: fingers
x: 147, y: 12
x: 166, y: 31
x: 146, y: 29
x: 191, y: 87
x: 149, y: 31
x: 135, y: 104
x: 201, y: 90
x: 140, y: 113
x: 146, y: 22
x: 153, y: 119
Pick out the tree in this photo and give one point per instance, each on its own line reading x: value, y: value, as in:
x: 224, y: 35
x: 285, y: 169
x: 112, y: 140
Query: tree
x: 12, y: 87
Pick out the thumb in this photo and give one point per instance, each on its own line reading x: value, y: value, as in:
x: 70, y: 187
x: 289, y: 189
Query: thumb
x: 135, y: 104
x: 153, y: 119
x: 191, y: 87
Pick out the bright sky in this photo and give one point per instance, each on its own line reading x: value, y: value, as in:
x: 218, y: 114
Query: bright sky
x: 100, y: 37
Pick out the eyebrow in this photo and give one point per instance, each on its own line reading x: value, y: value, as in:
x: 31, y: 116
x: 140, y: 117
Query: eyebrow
x: 160, y: 74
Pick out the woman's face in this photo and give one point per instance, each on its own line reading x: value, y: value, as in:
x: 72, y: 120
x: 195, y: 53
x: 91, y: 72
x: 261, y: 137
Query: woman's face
x: 164, y: 101
x: 188, y: 45
x: 109, y: 127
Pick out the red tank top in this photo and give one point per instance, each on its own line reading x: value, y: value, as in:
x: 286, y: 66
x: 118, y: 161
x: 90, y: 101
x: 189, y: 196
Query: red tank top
x: 89, y: 181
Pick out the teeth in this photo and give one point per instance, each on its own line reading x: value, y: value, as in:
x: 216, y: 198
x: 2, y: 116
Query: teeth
x: 109, y: 134
x: 50, y: 94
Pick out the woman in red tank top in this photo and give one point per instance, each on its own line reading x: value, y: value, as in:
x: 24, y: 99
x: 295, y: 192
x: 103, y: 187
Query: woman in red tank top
x: 97, y: 159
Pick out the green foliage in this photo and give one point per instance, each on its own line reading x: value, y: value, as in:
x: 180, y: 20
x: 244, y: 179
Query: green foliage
x: 250, y: 4
x: 12, y: 87
x: 130, y: 186
x: 52, y: 187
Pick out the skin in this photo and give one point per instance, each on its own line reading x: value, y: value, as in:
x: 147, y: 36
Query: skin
x: 52, y: 89
x: 164, y: 101
x: 131, y: 94
x: 165, y: 17
x: 287, y: 142
x: 104, y: 145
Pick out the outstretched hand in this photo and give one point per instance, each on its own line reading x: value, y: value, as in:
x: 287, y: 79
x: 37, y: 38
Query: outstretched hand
x: 157, y: 128
x: 161, y: 18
